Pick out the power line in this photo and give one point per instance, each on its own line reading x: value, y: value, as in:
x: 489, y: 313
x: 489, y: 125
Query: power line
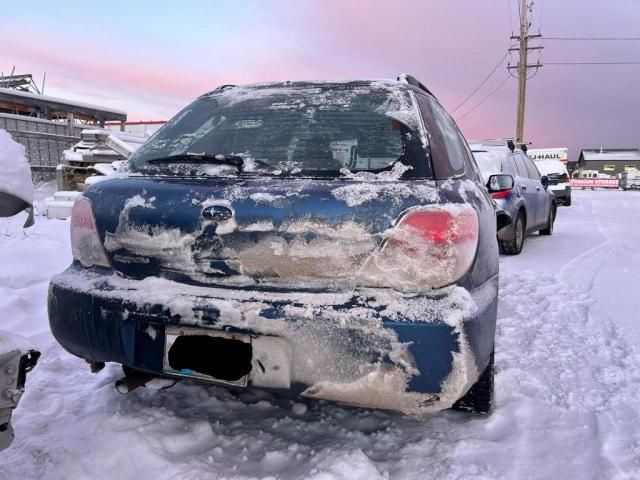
x: 613, y: 39
x: 592, y: 63
x: 481, y: 83
x: 485, y: 98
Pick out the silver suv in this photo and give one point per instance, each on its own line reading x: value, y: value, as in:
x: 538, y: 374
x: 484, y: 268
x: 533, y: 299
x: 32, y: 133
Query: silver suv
x: 531, y: 205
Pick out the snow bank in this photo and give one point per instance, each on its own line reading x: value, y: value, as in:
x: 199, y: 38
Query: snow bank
x: 15, y: 172
x: 10, y: 342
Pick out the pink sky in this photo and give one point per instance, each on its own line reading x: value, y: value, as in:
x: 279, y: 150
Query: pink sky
x: 151, y: 61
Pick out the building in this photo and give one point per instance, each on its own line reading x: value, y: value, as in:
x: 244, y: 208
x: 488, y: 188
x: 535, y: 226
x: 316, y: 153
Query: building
x: 610, y: 161
x: 47, y: 126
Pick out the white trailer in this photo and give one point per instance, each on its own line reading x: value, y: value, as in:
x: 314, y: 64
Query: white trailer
x: 630, y: 179
x: 560, y: 153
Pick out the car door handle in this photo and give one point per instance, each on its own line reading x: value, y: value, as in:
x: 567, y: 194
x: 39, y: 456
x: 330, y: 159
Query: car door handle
x: 538, y: 188
x: 523, y: 187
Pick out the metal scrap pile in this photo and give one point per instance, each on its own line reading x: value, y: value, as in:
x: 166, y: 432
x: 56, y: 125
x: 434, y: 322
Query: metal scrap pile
x: 97, y: 153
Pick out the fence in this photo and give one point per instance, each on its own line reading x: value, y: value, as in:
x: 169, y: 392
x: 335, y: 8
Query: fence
x: 43, y: 140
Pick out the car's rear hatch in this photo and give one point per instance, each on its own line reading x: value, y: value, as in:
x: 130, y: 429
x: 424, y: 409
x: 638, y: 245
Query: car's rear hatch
x: 276, y: 233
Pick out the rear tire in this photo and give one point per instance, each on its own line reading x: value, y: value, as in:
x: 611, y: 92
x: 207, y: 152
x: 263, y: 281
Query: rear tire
x: 550, y: 221
x: 479, y: 398
x: 515, y: 244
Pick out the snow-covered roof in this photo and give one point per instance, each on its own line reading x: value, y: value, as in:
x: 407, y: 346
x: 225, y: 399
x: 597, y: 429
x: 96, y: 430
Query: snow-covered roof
x: 53, y: 103
x: 625, y: 154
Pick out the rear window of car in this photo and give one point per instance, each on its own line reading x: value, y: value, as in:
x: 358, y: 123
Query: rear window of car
x: 520, y: 165
x: 551, y: 167
x: 319, y: 129
x: 449, y: 149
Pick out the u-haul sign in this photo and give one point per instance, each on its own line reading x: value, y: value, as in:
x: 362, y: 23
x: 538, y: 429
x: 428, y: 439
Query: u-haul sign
x: 561, y: 154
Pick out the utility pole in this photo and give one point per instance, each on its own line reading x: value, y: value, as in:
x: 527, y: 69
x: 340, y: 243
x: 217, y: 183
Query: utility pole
x: 523, y: 67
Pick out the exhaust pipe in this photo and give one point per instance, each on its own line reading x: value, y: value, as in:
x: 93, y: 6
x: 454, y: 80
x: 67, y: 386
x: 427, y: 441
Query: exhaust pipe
x: 135, y: 378
x: 132, y: 380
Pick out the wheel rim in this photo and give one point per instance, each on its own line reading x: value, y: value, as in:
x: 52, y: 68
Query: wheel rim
x: 519, y: 233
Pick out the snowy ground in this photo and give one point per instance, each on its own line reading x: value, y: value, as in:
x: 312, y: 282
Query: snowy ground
x: 568, y: 383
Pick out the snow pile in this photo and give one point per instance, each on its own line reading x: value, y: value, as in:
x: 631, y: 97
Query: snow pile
x: 10, y: 342
x: 15, y: 172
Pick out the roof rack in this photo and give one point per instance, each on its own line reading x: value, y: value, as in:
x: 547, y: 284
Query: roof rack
x: 411, y: 80
x: 224, y: 87
x: 498, y: 142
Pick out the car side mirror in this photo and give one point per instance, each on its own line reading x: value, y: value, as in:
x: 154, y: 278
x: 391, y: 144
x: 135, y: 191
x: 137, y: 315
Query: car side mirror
x: 545, y: 181
x: 11, y: 205
x: 500, y: 183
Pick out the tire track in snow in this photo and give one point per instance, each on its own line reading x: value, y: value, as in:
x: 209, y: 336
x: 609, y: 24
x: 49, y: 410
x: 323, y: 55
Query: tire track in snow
x: 573, y: 368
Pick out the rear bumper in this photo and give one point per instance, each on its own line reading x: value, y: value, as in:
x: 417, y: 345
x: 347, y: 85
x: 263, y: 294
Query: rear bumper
x: 374, y: 348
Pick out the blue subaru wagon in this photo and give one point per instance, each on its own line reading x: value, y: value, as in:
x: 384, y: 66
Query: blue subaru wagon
x: 329, y: 239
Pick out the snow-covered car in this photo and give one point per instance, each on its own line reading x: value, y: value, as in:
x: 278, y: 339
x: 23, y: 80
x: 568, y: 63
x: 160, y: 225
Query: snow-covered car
x: 330, y: 239
x: 17, y: 358
x: 16, y: 186
x: 530, y: 204
x: 558, y: 176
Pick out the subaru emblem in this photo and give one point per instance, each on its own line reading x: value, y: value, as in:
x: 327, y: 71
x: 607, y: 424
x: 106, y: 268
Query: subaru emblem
x: 217, y: 213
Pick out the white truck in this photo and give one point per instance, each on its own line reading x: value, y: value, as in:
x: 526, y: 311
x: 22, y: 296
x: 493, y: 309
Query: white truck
x: 630, y: 179
x: 559, y: 184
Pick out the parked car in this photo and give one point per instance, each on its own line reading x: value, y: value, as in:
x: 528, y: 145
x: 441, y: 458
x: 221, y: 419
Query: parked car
x: 17, y: 358
x: 558, y: 176
x: 330, y: 239
x: 16, y: 186
x: 531, y: 205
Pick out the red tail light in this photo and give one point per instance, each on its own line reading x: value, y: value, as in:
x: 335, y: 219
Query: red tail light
x: 440, y: 226
x: 85, y: 242
x: 430, y: 247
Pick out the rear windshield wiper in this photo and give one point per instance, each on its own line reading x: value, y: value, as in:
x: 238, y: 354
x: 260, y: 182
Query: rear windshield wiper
x: 190, y: 157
